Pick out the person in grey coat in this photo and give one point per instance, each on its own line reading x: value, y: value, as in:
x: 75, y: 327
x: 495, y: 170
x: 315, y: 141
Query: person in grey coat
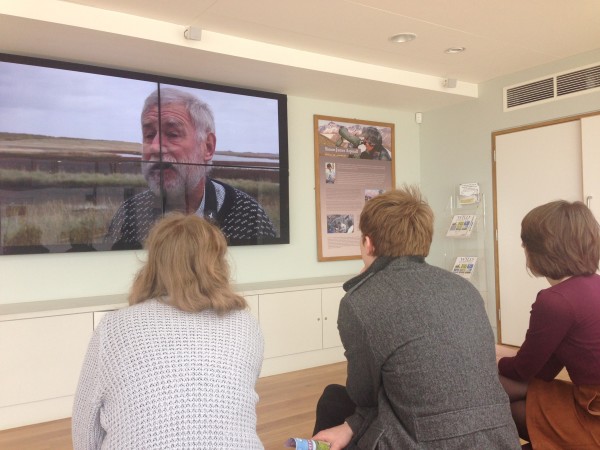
x: 422, y: 369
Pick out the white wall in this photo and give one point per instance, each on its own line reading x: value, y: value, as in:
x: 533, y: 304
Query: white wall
x: 54, y: 276
x: 456, y: 145
x: 74, y: 33
x: 451, y: 146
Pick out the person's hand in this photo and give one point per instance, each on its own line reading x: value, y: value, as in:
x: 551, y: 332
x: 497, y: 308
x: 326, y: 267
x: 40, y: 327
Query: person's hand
x: 338, y: 437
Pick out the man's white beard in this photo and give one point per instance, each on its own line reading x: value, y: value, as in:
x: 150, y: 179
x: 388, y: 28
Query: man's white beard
x: 187, y: 178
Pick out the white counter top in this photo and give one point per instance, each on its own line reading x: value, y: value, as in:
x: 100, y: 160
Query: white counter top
x: 28, y: 310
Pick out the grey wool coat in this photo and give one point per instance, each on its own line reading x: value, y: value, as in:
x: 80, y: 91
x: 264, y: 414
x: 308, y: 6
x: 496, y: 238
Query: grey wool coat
x: 421, y: 361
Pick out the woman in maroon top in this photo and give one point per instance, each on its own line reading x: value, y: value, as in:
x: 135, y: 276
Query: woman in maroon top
x: 562, y: 243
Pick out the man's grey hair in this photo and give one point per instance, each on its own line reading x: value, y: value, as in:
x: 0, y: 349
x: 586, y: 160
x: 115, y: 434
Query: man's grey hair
x: 199, y: 111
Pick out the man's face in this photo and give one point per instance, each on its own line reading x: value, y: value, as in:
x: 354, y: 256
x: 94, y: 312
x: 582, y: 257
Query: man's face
x: 180, y: 145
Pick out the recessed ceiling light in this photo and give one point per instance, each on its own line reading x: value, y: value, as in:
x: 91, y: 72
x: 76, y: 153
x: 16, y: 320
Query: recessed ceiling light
x: 403, y: 37
x: 453, y: 50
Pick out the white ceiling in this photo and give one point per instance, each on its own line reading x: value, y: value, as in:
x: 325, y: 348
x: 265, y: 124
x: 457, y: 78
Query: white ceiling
x: 500, y: 37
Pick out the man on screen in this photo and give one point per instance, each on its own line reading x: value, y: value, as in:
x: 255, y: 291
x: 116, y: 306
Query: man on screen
x: 178, y: 147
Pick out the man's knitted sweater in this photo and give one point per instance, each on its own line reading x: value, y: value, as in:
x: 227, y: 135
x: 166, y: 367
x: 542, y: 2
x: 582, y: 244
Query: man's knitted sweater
x: 240, y: 217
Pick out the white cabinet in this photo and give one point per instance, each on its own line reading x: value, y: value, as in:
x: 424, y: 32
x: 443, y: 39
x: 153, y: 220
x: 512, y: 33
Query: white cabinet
x: 58, y: 344
x: 300, y: 328
x: 41, y: 360
x: 330, y: 305
x: 291, y: 322
x: 532, y: 166
x: 251, y: 299
x: 98, y: 315
x: 310, y: 321
x: 42, y: 344
x: 252, y: 304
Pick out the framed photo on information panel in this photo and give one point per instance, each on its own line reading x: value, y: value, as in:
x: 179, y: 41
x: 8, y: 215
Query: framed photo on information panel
x: 354, y: 162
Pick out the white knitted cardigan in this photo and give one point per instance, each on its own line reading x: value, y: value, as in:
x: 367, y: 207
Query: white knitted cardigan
x: 155, y: 377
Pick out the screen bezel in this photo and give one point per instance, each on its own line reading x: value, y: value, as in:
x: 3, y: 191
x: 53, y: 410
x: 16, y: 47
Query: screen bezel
x: 281, y: 99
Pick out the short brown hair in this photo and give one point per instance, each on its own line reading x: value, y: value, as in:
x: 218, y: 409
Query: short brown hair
x: 561, y: 239
x: 399, y: 223
x: 186, y: 263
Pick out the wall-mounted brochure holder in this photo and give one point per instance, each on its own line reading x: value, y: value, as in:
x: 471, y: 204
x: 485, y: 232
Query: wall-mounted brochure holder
x: 464, y: 242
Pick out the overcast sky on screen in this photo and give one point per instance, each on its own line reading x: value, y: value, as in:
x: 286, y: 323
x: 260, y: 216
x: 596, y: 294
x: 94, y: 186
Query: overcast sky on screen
x: 63, y: 103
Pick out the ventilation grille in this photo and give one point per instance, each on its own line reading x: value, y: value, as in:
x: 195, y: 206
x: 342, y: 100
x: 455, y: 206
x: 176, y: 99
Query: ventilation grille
x: 530, y: 92
x: 578, y: 81
x: 551, y: 88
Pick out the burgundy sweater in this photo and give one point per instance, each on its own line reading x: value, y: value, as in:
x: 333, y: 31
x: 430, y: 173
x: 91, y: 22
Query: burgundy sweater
x: 564, y: 331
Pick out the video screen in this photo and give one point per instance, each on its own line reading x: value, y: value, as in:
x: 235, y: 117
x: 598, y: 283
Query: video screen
x: 91, y: 157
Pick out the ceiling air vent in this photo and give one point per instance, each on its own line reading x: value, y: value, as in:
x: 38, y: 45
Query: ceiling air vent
x: 560, y: 85
x: 530, y: 93
x: 581, y: 80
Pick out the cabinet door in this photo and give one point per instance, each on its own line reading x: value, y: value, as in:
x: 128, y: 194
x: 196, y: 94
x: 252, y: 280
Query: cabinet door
x: 98, y: 315
x: 253, y: 304
x: 291, y: 322
x: 590, y: 145
x: 330, y: 298
x: 532, y: 167
x: 41, y: 358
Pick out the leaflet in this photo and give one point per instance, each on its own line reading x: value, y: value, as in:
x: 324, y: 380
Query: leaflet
x: 306, y: 444
x: 462, y: 225
x: 464, y: 266
x: 468, y: 193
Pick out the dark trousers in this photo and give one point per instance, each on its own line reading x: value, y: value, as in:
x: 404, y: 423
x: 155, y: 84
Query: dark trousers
x: 333, y: 407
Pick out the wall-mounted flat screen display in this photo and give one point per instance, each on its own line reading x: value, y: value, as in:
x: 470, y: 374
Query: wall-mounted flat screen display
x: 91, y: 157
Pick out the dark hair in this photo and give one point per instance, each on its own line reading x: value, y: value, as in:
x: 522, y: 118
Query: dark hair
x: 372, y: 136
x: 561, y: 239
x: 399, y: 223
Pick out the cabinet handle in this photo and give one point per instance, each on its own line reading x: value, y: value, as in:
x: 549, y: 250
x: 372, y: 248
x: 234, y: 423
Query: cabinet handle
x: 325, y: 318
x: 318, y: 319
x: 588, y: 201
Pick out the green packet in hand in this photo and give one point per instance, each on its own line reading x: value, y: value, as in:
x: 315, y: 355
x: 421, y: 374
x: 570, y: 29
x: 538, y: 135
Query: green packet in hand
x: 306, y: 444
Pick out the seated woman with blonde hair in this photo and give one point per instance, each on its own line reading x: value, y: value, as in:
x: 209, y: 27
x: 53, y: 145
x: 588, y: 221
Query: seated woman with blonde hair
x: 562, y: 244
x: 178, y: 367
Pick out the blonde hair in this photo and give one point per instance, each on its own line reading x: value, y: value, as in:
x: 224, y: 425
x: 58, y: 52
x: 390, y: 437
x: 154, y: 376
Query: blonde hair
x: 399, y: 223
x: 186, y: 263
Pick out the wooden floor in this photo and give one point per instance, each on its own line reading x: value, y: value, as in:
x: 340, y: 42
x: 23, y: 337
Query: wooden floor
x: 286, y: 409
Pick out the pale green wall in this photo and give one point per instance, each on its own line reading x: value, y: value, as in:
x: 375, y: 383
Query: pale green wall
x: 456, y: 146
x: 46, y: 277
x: 452, y: 145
